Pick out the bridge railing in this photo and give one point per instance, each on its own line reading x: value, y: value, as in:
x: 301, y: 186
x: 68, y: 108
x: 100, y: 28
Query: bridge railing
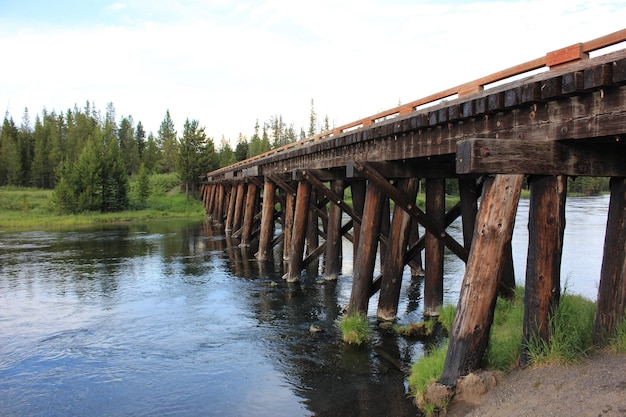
x: 552, y: 59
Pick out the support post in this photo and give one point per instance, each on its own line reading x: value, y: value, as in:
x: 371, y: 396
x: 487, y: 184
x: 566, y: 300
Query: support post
x: 333, y: 246
x: 301, y: 217
x: 357, y: 187
x: 267, y: 221
x: 366, y: 251
x: 546, y: 225
x: 232, y: 197
x: 312, y: 232
x: 249, y: 213
x: 239, y: 206
x: 433, y: 282
x: 474, y: 315
x: 288, y: 214
x: 611, y: 305
x: 394, y: 265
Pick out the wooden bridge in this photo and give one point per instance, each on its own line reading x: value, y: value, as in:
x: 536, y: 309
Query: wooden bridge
x: 569, y: 120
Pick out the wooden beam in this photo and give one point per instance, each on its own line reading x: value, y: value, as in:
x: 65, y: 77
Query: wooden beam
x: 546, y: 224
x: 396, y: 249
x: 333, y: 247
x: 267, y: 221
x: 410, y: 207
x: 512, y: 156
x: 366, y: 253
x: 474, y: 315
x: 611, y: 304
x: 301, y: 217
x: 433, y: 280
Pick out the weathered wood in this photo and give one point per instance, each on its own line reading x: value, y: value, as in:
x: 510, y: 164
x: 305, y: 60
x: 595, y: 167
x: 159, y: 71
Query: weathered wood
x: 474, y: 315
x: 433, y: 279
x: 357, y: 187
x: 267, y: 221
x: 366, y: 251
x: 479, y: 155
x: 288, y: 212
x: 611, y: 304
x: 469, y: 191
x: 239, y: 206
x: 249, y: 213
x: 333, y: 247
x: 394, y: 265
x: 232, y: 198
x: 300, y: 221
x: 410, y: 207
x: 417, y: 269
x: 312, y: 233
x: 546, y: 225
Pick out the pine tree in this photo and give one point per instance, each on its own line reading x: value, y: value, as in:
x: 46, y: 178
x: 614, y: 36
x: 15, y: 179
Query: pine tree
x: 143, y: 185
x: 128, y: 145
x: 312, y: 121
x: 151, y: 154
x: 196, y: 155
x: 166, y: 137
x: 241, y: 150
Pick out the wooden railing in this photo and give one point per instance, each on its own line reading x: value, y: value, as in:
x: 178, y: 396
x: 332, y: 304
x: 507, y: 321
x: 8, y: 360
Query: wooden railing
x: 552, y: 59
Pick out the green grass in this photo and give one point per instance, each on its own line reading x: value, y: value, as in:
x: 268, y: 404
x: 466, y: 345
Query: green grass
x: 421, y: 329
x: 617, y: 343
x: 30, y: 208
x: 571, y: 327
x: 354, y: 328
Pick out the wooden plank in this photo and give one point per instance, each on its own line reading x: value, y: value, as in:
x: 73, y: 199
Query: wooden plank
x: 470, y: 330
x: 433, y: 280
x: 267, y: 221
x: 232, y: 199
x: 301, y: 217
x: 289, y: 213
x: 566, y: 55
x: 366, y: 252
x: 393, y: 266
x: 611, y: 304
x: 546, y: 225
x: 511, y: 156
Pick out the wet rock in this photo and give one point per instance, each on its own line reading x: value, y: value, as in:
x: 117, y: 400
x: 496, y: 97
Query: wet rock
x: 314, y: 328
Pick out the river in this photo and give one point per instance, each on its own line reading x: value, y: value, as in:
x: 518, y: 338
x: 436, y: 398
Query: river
x: 172, y: 318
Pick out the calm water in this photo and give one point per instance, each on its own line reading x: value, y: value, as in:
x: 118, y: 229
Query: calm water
x: 175, y: 319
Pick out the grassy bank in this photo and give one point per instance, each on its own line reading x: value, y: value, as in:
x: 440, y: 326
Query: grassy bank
x: 571, y: 329
x: 30, y: 208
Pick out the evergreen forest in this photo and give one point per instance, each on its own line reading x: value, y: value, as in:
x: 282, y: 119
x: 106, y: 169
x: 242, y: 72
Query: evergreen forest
x: 87, y: 157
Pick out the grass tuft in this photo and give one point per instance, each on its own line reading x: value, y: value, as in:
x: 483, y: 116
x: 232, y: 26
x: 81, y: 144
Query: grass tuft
x: 571, y: 329
x: 617, y: 344
x: 355, y: 328
x: 446, y: 316
x: 426, y: 370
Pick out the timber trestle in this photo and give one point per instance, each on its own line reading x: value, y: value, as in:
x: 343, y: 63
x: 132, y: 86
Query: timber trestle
x: 567, y: 121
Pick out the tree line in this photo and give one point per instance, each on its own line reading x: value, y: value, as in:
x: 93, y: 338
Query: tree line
x: 88, y: 156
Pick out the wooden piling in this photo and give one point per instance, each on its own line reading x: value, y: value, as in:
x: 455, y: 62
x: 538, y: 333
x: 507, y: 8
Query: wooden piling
x: 394, y: 265
x: 230, y: 211
x: 433, y: 282
x: 474, y: 315
x: 611, y: 304
x: 366, y: 251
x: 357, y: 187
x: 267, y: 221
x: 417, y: 271
x: 546, y: 225
x: 249, y: 212
x: 239, y: 206
x: 288, y: 215
x: 300, y: 220
x: 333, y: 246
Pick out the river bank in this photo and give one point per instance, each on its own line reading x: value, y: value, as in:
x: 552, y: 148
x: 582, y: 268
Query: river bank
x: 30, y: 209
x: 595, y: 387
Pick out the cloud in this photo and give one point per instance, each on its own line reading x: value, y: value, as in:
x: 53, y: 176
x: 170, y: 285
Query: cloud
x: 228, y: 64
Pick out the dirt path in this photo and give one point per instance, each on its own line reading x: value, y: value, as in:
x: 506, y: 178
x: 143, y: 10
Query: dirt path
x: 595, y: 388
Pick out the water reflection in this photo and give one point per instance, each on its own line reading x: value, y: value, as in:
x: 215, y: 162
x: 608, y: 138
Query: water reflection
x: 175, y: 318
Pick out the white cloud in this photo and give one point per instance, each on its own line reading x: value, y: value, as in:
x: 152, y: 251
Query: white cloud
x: 227, y: 65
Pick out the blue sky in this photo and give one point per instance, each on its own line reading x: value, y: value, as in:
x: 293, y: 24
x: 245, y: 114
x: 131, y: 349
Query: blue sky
x: 229, y: 63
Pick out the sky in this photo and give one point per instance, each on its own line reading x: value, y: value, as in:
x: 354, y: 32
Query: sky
x: 228, y: 64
